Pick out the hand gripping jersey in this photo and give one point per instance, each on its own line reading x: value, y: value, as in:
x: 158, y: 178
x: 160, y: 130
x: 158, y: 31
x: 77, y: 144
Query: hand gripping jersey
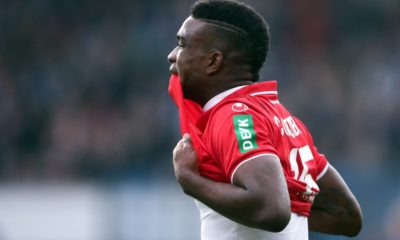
x: 243, y: 123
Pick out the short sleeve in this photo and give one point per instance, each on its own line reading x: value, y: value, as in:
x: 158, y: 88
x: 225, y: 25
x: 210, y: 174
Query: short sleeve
x: 238, y: 136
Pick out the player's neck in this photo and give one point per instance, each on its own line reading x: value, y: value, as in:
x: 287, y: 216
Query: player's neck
x: 224, y: 88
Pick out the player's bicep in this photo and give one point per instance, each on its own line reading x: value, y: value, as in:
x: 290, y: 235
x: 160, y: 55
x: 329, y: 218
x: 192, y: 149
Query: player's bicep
x: 264, y: 176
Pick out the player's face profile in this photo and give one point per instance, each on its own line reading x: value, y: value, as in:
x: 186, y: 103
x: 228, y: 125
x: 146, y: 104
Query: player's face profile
x: 188, y: 57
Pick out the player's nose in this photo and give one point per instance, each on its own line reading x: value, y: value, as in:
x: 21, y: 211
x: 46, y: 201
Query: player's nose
x: 172, y: 56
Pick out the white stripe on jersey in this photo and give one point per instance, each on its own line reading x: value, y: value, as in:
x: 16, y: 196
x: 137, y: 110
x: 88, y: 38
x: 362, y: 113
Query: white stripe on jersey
x: 264, y: 93
x: 323, y: 171
x: 218, y: 98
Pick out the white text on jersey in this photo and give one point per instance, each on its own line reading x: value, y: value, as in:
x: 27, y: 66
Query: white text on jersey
x: 288, y: 126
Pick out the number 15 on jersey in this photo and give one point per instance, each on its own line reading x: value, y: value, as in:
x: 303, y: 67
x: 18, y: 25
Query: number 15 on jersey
x: 301, y: 156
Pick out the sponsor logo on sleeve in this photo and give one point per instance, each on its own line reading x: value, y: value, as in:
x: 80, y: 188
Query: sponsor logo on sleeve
x: 244, y: 130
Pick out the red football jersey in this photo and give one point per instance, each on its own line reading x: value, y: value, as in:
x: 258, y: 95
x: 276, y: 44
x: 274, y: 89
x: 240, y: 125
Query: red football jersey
x: 249, y: 122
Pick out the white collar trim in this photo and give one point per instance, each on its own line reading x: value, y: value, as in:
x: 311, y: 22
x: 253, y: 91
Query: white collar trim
x: 218, y: 98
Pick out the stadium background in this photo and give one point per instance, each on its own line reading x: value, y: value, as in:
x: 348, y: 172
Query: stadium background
x: 87, y: 127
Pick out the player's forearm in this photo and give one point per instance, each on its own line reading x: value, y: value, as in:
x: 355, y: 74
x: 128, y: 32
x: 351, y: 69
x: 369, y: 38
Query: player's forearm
x: 234, y: 202
x: 335, y: 220
x: 335, y: 209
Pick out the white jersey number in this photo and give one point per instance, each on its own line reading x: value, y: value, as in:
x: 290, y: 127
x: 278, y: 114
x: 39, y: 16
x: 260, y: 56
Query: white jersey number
x: 304, y: 153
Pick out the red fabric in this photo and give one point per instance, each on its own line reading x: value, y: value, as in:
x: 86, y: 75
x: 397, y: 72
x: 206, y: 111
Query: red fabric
x: 189, y: 113
x: 277, y: 132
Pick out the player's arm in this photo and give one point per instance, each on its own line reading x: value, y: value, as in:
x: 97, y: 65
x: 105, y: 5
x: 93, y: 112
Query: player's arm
x: 257, y: 198
x: 335, y: 209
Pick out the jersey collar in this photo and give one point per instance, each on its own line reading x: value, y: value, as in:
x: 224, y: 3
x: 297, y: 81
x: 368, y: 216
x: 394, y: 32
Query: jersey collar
x: 261, y: 88
x: 218, y: 98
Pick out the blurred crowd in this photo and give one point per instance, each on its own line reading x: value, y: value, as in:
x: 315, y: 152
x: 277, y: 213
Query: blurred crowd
x: 83, y: 90
x: 83, y: 84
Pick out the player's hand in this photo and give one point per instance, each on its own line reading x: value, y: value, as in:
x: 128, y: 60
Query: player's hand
x: 184, y: 159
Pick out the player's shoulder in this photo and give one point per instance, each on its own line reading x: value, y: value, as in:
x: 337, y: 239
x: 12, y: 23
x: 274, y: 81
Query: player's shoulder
x: 236, y: 105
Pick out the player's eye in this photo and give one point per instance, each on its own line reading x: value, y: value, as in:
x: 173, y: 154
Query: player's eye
x: 179, y: 42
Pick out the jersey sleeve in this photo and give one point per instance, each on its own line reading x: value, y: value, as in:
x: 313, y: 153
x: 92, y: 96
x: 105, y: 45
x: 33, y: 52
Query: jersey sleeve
x: 321, y: 162
x: 239, y: 136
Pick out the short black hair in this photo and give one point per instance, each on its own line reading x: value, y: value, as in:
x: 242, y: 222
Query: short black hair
x: 240, y: 16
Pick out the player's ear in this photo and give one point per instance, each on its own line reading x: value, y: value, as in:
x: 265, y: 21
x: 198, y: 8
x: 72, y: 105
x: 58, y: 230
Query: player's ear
x: 214, y: 61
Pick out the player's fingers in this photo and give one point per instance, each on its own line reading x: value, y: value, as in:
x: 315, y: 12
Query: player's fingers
x: 186, y: 140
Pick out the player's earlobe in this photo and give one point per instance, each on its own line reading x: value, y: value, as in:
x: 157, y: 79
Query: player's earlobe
x: 214, y: 62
